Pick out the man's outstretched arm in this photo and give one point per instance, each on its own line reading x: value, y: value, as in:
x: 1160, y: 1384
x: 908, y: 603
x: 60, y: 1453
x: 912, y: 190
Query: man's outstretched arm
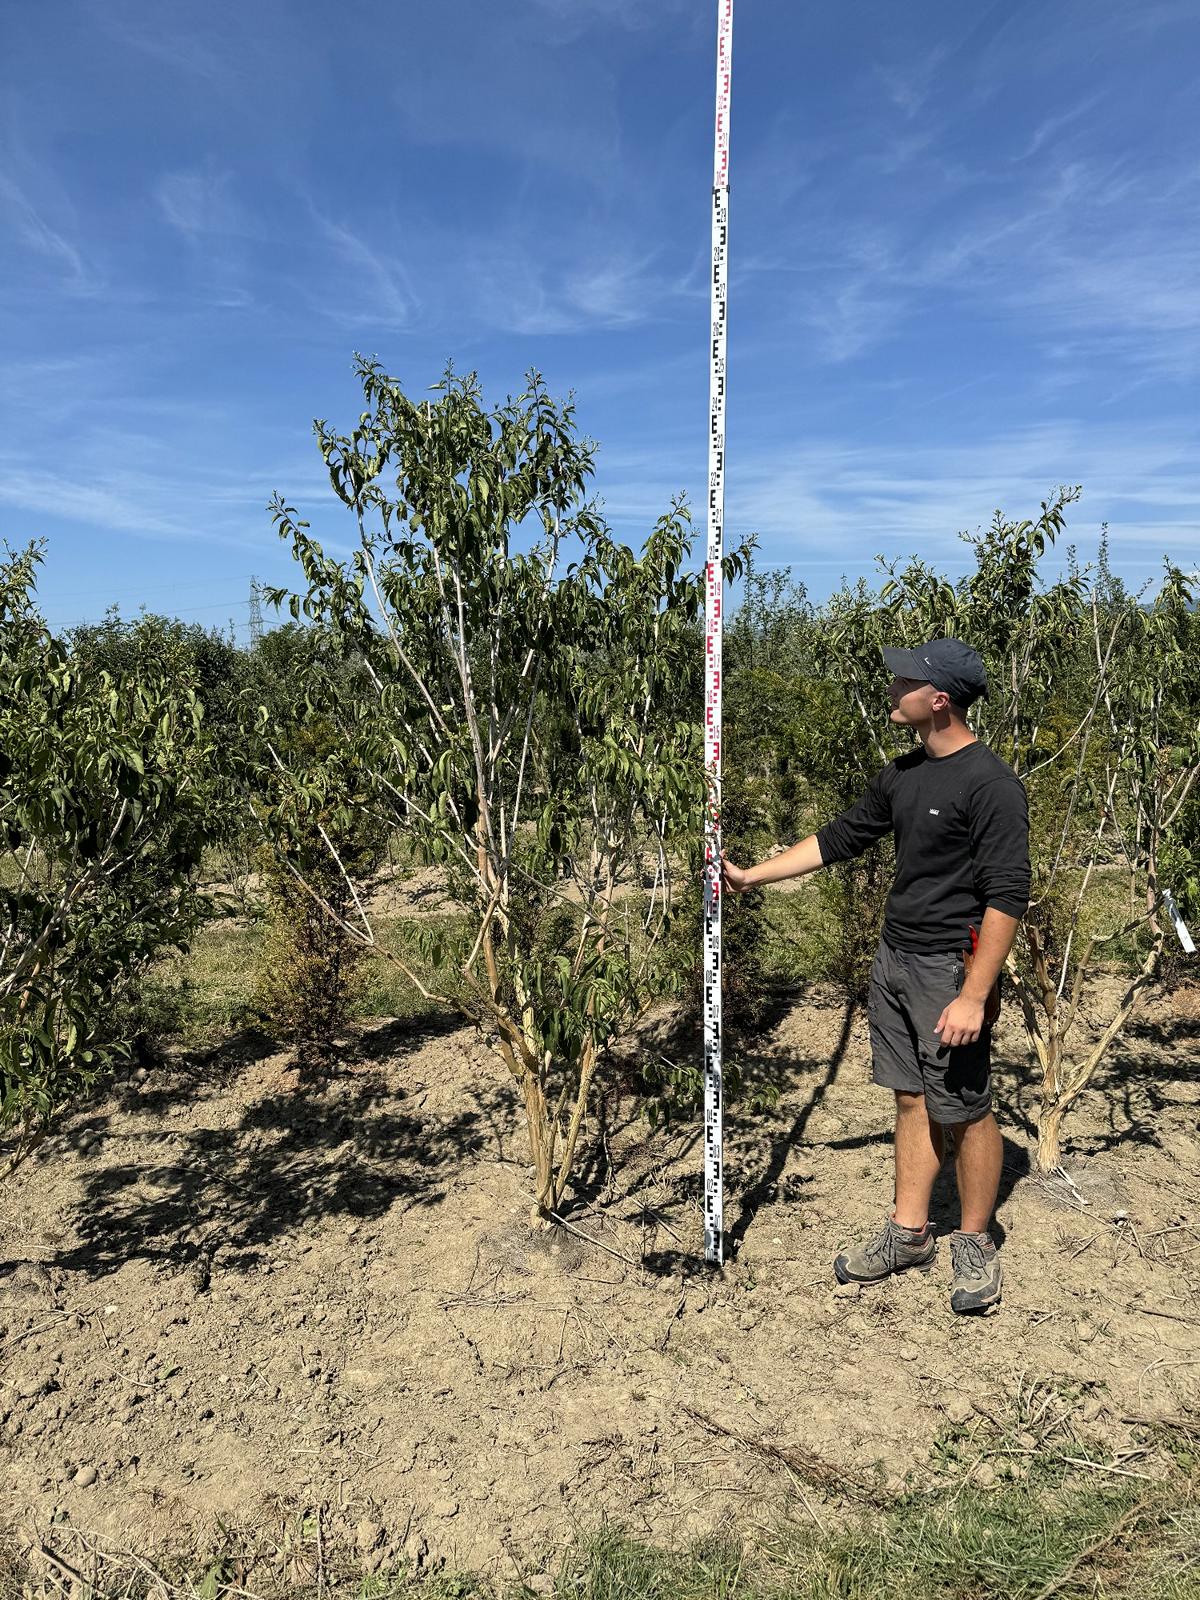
x: 795, y: 862
x: 847, y: 835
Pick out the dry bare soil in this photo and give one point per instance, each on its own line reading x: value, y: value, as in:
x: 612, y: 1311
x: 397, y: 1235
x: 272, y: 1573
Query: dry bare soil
x: 226, y: 1290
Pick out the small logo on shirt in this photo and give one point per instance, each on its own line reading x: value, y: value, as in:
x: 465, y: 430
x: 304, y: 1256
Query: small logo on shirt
x: 934, y: 812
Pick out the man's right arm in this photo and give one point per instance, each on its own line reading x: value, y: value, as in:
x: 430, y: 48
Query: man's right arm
x: 847, y: 835
x: 795, y: 862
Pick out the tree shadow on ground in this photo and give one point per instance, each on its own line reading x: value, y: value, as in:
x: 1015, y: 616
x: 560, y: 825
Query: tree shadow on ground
x: 351, y: 1145
x: 616, y: 1109
x: 765, y: 1185
x: 621, y: 1102
x: 1162, y: 1034
x: 397, y: 1035
x: 1133, y: 1095
x: 944, y: 1210
x: 756, y: 1180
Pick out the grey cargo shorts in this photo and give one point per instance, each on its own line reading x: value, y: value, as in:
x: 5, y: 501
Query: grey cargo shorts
x: 907, y: 995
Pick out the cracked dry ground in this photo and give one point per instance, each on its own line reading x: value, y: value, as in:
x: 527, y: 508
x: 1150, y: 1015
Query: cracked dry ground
x: 225, y: 1290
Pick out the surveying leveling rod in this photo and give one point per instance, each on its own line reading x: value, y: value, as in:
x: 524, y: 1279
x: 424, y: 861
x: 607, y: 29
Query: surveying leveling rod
x: 713, y: 1095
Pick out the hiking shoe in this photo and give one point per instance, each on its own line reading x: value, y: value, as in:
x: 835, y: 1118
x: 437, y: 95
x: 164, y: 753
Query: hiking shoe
x: 895, y: 1250
x: 977, y: 1272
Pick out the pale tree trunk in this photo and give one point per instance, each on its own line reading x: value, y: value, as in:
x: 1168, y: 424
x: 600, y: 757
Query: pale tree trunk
x: 1049, y: 1151
x: 537, y: 1123
x: 552, y: 1149
x: 1047, y: 1023
x: 1051, y: 1055
x: 587, y: 1066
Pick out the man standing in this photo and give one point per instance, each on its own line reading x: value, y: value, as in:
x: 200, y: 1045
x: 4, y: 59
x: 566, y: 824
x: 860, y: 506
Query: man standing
x: 961, y: 823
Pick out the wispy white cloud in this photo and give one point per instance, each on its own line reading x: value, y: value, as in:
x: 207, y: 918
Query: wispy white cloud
x: 129, y: 483
x: 830, y: 504
x: 1051, y: 127
x: 36, y: 234
x: 591, y: 289
x: 526, y: 108
x: 117, y: 501
x: 176, y: 39
x: 1092, y: 261
x: 908, y: 87
x: 200, y: 201
x: 818, y: 503
x: 1092, y: 256
x: 573, y: 17
x: 853, y: 317
x: 372, y: 288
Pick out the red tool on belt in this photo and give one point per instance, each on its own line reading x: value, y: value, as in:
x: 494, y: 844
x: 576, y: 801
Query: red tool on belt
x: 991, y: 1006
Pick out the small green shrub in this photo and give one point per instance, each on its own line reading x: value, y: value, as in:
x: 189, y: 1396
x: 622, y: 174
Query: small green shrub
x: 309, y: 964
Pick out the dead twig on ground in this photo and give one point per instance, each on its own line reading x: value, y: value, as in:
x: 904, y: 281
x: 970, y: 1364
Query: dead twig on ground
x: 1102, y: 1466
x: 1183, y: 1424
x: 60, y: 1565
x: 1102, y: 1543
x: 607, y: 1248
x: 1172, y: 1316
x: 671, y: 1321
x: 662, y: 1222
x: 320, y: 1555
x: 477, y: 1302
x: 31, y: 1333
x: 804, y: 1463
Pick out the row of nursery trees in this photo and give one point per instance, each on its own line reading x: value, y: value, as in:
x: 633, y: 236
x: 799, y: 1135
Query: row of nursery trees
x: 502, y: 686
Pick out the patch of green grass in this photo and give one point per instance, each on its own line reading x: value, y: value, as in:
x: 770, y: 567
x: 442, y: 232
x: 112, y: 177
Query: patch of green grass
x: 386, y: 991
x: 984, y: 1545
x: 1024, y: 1540
x: 1056, y: 1532
x: 201, y: 997
x: 612, y: 1566
x: 198, y: 998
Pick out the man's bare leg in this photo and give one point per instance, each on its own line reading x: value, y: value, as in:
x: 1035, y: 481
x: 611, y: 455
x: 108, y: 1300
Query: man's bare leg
x: 919, y: 1150
x: 907, y: 1239
x: 978, y: 1158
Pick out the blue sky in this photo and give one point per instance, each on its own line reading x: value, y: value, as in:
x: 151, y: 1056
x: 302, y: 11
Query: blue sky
x: 965, y: 266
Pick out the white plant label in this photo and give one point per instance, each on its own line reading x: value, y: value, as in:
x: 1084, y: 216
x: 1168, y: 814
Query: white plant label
x: 1181, y: 927
x: 713, y: 1087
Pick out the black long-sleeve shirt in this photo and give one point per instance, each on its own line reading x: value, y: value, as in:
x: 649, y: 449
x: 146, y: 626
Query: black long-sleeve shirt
x: 962, y: 843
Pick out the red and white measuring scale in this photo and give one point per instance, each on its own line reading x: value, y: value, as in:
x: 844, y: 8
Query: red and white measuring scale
x: 713, y: 1091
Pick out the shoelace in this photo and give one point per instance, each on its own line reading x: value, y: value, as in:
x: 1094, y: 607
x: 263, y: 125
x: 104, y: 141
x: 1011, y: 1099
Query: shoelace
x: 968, y: 1257
x: 884, y: 1247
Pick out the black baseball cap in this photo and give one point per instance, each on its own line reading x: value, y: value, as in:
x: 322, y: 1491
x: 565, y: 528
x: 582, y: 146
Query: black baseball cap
x: 947, y: 664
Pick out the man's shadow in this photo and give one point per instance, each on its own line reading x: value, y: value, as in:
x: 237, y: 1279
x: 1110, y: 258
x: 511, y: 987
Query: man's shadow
x: 763, y: 1188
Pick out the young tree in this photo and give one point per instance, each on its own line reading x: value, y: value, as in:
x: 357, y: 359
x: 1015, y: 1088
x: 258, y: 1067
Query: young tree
x: 154, y: 646
x: 1136, y: 759
x: 532, y: 725
x: 308, y: 963
x: 110, y: 788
